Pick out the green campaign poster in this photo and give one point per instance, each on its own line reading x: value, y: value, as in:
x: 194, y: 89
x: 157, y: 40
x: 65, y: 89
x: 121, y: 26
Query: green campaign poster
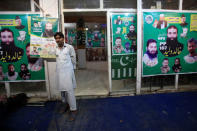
x: 42, y: 37
x: 15, y: 61
x: 72, y: 36
x: 124, y: 28
x: 124, y: 46
x: 96, y: 36
x: 169, y: 43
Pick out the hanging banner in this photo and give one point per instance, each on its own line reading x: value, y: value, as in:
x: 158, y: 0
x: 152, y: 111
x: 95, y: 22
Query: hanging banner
x: 15, y: 61
x: 42, y: 37
x: 170, y: 43
x: 124, y: 45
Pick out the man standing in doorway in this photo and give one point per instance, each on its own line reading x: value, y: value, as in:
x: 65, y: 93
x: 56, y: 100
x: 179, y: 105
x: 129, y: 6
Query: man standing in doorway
x: 65, y: 65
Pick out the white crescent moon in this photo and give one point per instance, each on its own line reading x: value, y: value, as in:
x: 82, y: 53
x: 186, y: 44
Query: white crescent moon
x: 121, y: 62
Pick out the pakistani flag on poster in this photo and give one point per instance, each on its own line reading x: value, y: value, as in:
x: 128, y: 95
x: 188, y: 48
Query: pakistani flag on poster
x: 124, y: 46
x: 123, y: 66
x: 171, y: 46
x: 42, y: 37
x: 15, y: 61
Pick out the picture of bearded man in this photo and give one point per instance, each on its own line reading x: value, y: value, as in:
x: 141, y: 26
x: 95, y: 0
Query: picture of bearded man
x: 9, y: 52
x: 48, y: 30
x: 172, y: 46
x: 11, y: 74
x: 24, y: 73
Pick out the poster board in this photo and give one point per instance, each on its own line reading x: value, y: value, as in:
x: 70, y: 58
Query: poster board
x: 42, y: 37
x: 169, y: 43
x: 15, y: 61
x: 124, y: 45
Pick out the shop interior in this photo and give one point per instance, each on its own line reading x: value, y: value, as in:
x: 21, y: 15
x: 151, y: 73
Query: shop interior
x: 86, y: 31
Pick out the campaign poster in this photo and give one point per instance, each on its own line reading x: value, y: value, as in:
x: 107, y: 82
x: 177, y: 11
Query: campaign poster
x: 42, y: 37
x: 71, y: 37
x: 96, y: 36
x: 124, y: 45
x: 169, y: 43
x: 124, y: 33
x: 15, y: 61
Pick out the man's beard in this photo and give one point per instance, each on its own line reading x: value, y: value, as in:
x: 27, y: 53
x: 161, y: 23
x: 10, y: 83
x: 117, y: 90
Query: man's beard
x: 4, y: 44
x: 25, y: 72
x: 172, y: 43
x: 152, y: 56
x: 11, y: 73
x: 49, y: 32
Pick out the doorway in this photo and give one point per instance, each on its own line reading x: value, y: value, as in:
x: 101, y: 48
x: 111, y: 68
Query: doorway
x: 90, y: 43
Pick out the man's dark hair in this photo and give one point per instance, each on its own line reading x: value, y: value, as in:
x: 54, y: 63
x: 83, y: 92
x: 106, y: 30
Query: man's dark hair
x: 172, y: 26
x: 60, y: 34
x: 192, y: 40
x: 165, y: 59
x: 150, y: 41
x: 118, y: 38
x: 24, y: 65
x: 10, y: 66
x: 6, y: 29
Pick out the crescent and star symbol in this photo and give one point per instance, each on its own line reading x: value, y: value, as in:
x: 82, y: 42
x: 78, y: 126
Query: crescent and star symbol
x: 127, y: 61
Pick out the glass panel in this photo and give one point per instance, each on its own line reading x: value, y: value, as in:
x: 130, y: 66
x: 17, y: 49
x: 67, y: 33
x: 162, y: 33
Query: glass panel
x: 160, y: 4
x: 72, y: 4
x: 127, y: 85
x: 188, y: 81
x: 154, y: 83
x: 189, y: 5
x: 15, y: 5
x: 2, y: 89
x: 36, y: 8
x: 120, y: 3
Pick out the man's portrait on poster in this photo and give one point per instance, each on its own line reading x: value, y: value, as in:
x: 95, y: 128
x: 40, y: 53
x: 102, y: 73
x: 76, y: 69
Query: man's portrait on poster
x: 9, y: 52
x: 150, y: 57
x: 191, y: 47
x: 11, y: 74
x: 172, y: 47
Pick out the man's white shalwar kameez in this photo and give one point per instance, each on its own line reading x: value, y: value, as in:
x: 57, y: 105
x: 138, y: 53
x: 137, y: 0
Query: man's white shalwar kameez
x: 65, y: 64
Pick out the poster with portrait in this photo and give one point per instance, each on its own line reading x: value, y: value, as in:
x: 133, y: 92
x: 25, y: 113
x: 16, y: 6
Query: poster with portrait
x: 124, y: 45
x: 169, y: 43
x: 96, y: 36
x: 42, y: 37
x: 124, y: 33
x: 15, y: 61
x: 71, y: 37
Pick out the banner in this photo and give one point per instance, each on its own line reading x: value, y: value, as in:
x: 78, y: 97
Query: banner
x: 124, y: 45
x: 42, y: 37
x: 15, y: 61
x: 170, y: 43
x: 96, y: 36
x: 123, y: 66
x: 124, y: 28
